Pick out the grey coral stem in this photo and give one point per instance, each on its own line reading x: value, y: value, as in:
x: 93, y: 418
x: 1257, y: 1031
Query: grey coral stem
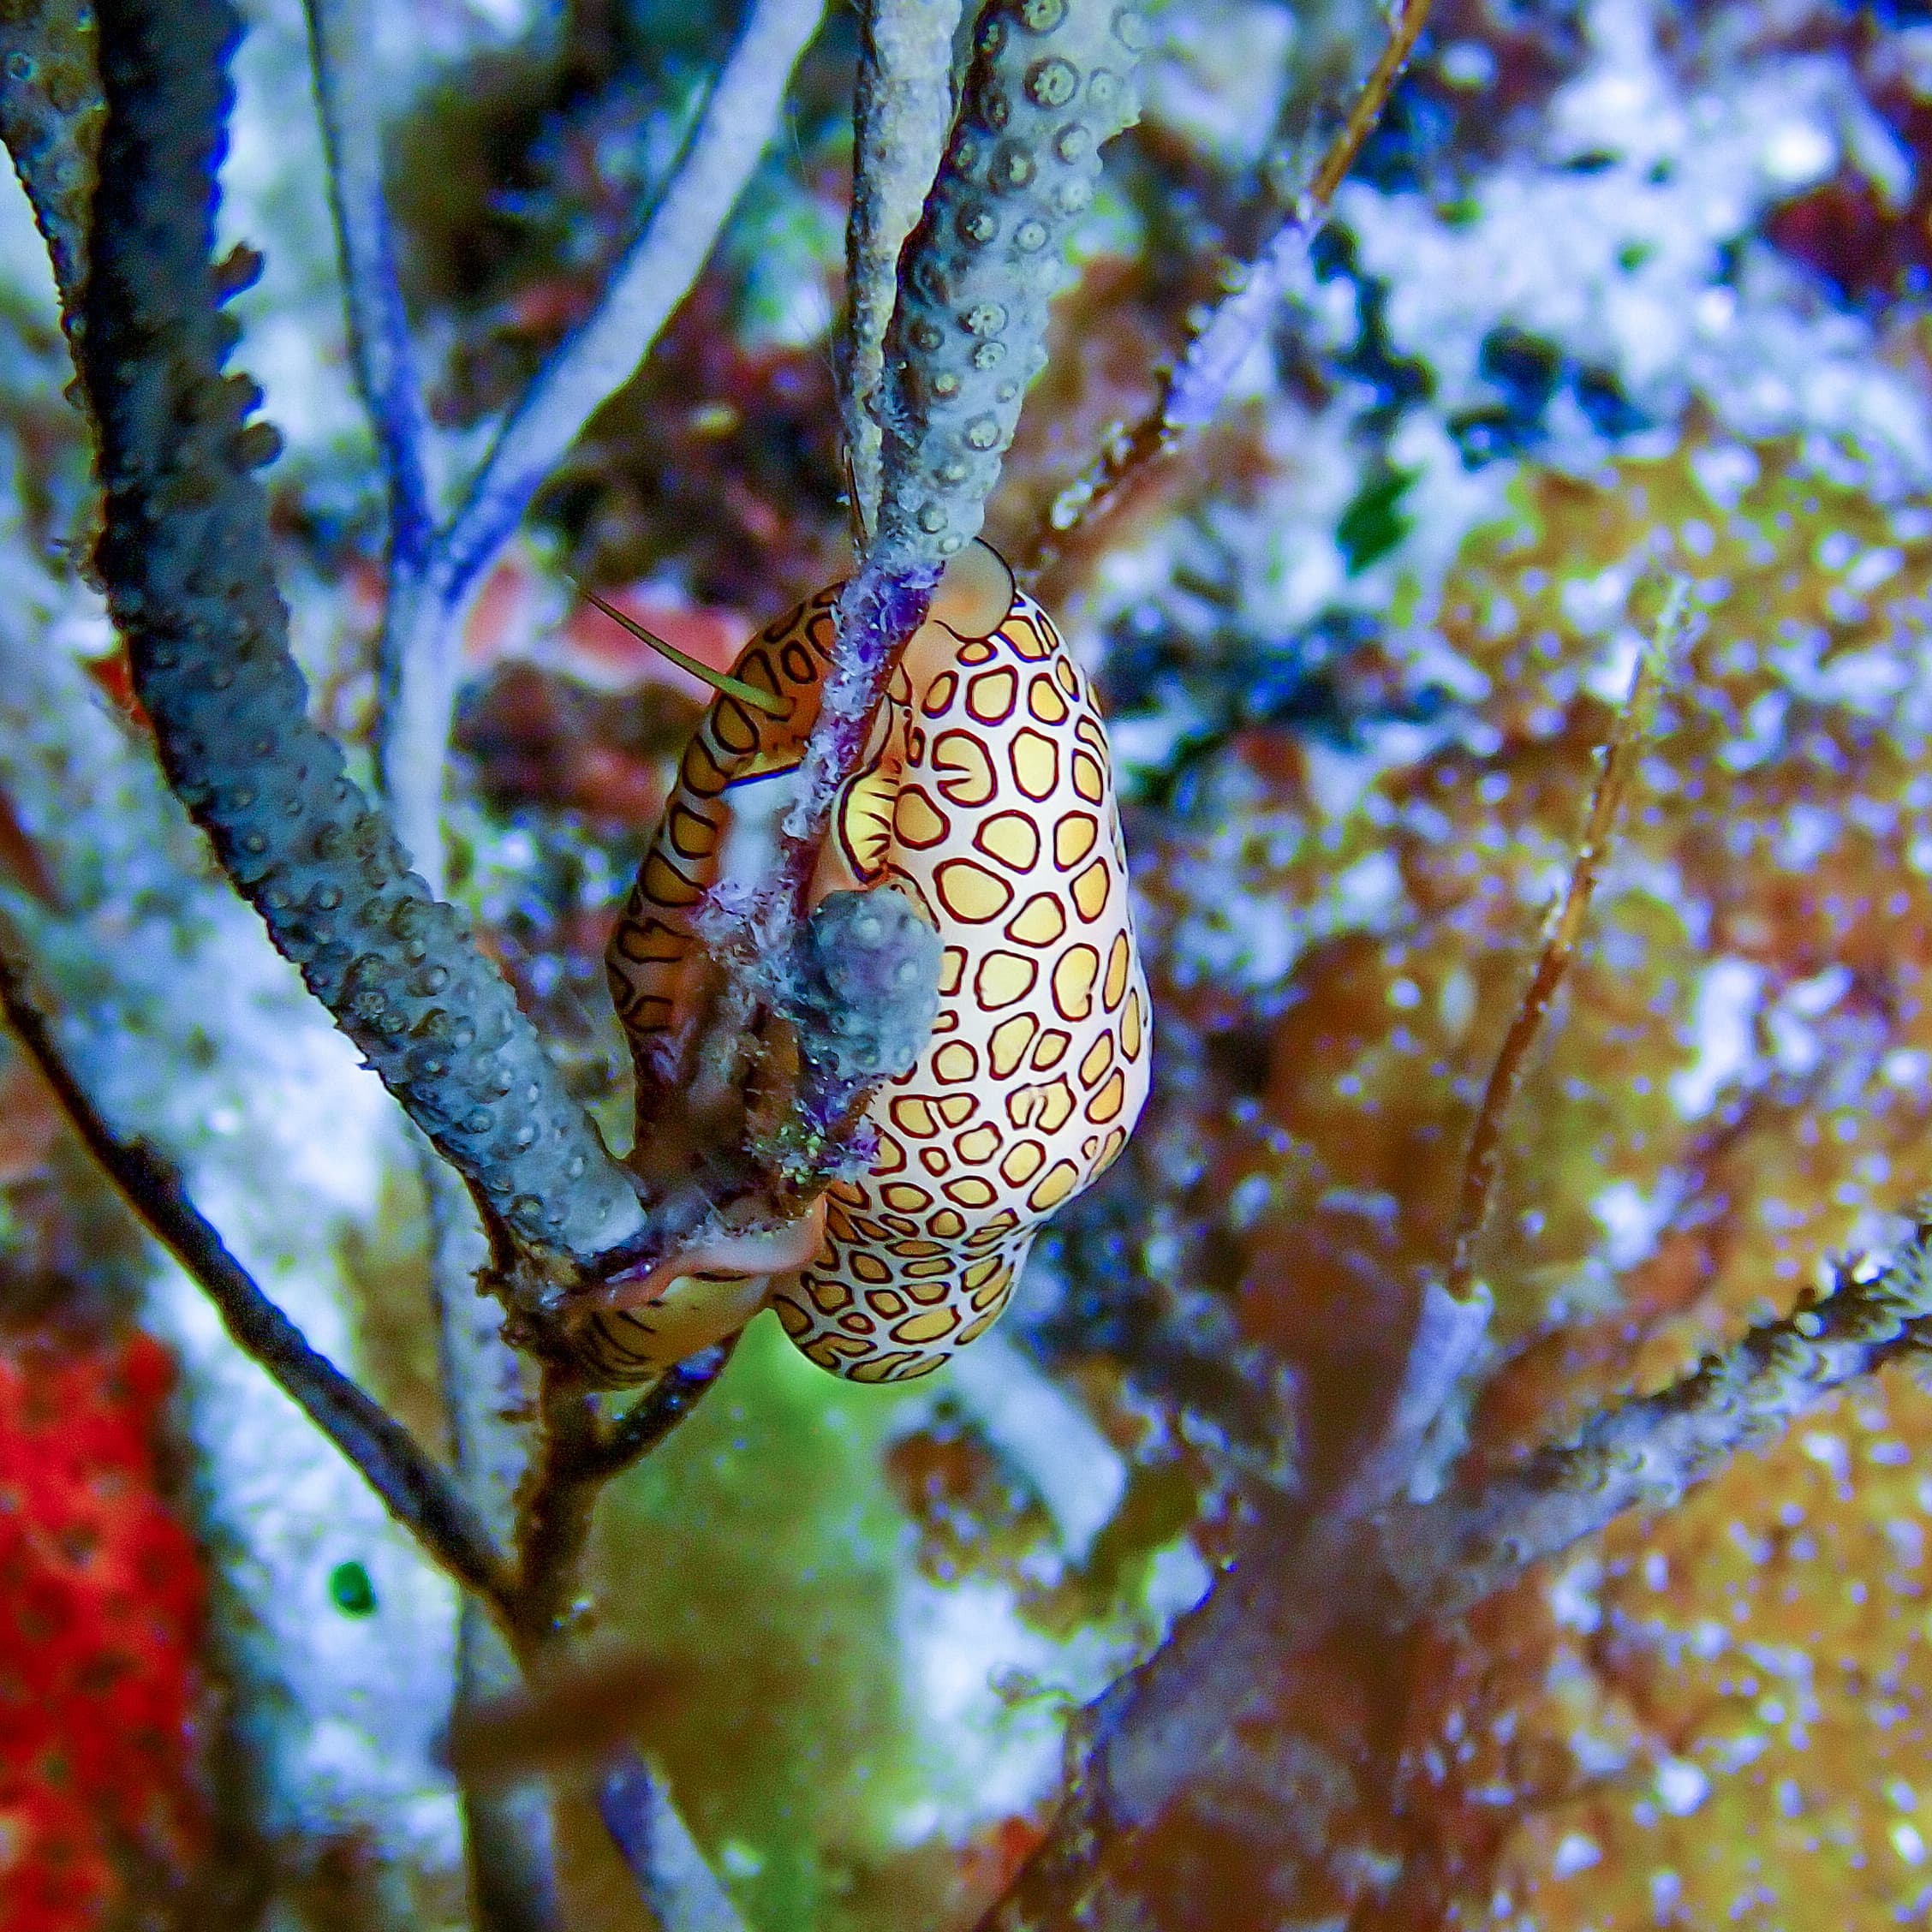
x: 1645, y: 1452
x: 902, y: 111
x: 421, y: 666
x: 1164, y: 1737
x: 1051, y: 81
x: 186, y: 558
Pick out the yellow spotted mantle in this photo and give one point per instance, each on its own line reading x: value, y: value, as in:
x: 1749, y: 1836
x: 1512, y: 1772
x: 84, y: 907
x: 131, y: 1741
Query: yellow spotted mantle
x: 989, y: 801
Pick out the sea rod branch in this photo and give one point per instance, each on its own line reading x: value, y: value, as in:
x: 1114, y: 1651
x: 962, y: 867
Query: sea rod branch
x: 185, y: 556
x: 1051, y: 82
x: 902, y: 108
x: 340, y: 37
x: 1628, y: 738
x: 1155, y: 1747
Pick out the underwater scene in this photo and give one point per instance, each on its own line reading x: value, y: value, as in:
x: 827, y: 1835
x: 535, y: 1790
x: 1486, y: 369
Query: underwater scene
x: 966, y: 966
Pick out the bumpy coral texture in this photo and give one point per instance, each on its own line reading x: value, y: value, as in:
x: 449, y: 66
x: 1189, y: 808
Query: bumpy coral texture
x: 869, y: 984
x: 1052, y: 83
x: 989, y: 803
x: 185, y: 558
x: 51, y: 116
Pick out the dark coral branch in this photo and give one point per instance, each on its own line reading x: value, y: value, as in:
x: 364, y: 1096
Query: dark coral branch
x: 654, y: 1415
x: 416, y: 1492
x: 576, y: 1455
x: 185, y: 556
x: 1446, y: 1556
x: 554, y: 1512
x: 50, y: 115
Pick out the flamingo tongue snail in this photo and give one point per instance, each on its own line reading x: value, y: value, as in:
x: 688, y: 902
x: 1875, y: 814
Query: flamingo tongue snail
x: 988, y: 801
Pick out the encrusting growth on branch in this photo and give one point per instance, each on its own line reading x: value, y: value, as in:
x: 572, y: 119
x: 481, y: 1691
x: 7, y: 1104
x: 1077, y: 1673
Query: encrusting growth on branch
x: 1645, y: 1452
x: 868, y: 988
x: 51, y: 116
x: 1051, y: 82
x: 185, y: 556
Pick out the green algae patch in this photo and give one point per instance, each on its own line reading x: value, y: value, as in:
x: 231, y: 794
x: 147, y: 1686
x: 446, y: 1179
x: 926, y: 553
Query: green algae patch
x: 757, y: 1554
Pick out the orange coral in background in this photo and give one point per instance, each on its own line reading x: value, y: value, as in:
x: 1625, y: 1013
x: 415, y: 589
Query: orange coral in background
x: 1714, y: 1715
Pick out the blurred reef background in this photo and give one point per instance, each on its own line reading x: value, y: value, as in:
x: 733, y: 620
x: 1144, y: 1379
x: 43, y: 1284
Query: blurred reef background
x: 1614, y: 290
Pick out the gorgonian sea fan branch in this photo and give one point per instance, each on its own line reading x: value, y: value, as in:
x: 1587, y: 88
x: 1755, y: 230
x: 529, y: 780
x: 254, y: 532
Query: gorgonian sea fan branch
x: 1153, y: 1746
x: 415, y: 1491
x: 51, y: 116
x: 1198, y: 385
x: 339, y: 31
x: 1645, y: 1452
x: 902, y: 110
x: 185, y: 556
x: 1052, y: 81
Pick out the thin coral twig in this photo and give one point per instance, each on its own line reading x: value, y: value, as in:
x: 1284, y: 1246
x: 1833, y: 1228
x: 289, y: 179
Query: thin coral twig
x: 339, y: 34
x: 650, y: 1419
x: 420, y: 660
x: 656, y: 1846
x: 600, y: 355
x: 1199, y: 383
x: 1484, y: 1156
x: 419, y: 1494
